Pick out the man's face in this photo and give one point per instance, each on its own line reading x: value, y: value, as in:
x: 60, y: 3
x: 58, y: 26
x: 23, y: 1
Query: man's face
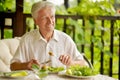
x: 46, y: 19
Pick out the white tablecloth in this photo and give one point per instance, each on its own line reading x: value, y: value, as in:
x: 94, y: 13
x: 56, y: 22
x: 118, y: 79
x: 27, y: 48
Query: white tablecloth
x: 63, y: 77
x: 59, y: 76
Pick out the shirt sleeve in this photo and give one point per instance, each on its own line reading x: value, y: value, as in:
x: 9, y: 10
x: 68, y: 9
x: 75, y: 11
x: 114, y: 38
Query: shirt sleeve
x: 72, y: 49
x: 20, y: 53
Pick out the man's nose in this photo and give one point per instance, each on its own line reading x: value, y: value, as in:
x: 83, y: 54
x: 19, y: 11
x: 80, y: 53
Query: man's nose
x: 50, y: 20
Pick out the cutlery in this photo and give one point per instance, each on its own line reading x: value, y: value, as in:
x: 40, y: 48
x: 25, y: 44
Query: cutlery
x: 46, y: 62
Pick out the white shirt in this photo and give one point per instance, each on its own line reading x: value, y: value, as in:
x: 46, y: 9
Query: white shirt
x: 34, y: 46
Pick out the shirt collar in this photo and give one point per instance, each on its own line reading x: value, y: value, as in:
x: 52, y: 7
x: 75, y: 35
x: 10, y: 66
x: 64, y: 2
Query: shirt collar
x: 55, y: 36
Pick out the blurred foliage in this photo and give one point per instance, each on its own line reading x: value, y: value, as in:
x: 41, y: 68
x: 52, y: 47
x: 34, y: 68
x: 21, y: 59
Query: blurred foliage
x: 82, y: 32
x: 7, y: 5
x: 61, y: 10
x: 86, y: 7
x: 8, y: 33
x: 28, y: 4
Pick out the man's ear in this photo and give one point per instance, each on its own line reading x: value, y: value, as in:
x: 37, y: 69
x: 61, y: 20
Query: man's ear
x: 35, y: 21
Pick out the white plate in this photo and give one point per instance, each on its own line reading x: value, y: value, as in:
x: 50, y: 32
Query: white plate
x: 80, y: 77
x: 6, y: 75
x: 73, y: 76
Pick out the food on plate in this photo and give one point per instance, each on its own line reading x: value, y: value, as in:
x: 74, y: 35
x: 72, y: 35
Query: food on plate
x: 19, y: 74
x: 14, y: 74
x: 55, y: 69
x: 44, y: 67
x: 35, y: 67
x: 77, y: 70
x: 50, y: 69
x: 51, y: 54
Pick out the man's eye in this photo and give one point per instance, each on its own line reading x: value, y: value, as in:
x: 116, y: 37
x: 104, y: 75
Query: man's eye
x: 53, y: 17
x: 43, y: 17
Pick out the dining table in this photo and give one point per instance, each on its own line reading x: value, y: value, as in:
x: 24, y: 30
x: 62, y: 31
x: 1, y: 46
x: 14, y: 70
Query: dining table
x: 60, y: 76
x: 64, y: 77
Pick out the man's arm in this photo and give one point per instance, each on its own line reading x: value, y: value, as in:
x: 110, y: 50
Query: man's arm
x: 23, y: 66
x: 67, y: 60
x: 19, y: 66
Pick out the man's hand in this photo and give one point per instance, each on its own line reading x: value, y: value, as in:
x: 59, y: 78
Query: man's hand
x: 31, y: 62
x: 66, y: 59
x: 23, y: 66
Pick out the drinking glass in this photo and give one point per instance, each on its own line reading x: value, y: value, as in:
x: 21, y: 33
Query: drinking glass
x: 42, y: 74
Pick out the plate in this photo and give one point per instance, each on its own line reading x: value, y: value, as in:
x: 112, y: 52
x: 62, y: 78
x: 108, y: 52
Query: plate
x: 15, y: 75
x: 80, y: 77
x: 73, y: 76
x: 8, y: 77
x: 53, y: 72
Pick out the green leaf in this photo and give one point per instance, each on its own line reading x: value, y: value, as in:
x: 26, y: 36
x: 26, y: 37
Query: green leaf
x: 35, y: 66
x: 77, y: 70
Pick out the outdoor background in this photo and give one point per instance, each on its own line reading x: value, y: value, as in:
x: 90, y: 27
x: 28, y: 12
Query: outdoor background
x: 85, y: 8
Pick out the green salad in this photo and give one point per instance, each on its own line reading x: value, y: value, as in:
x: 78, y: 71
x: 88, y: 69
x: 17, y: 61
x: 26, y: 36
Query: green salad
x: 77, y: 70
x: 47, y: 68
x: 55, y: 69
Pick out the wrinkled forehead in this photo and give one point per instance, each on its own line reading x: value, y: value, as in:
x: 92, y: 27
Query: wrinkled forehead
x: 47, y: 9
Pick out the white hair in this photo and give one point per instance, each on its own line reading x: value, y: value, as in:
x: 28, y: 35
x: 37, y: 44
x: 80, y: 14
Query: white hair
x: 40, y: 5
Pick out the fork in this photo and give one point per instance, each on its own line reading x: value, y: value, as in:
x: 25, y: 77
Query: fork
x: 46, y: 62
